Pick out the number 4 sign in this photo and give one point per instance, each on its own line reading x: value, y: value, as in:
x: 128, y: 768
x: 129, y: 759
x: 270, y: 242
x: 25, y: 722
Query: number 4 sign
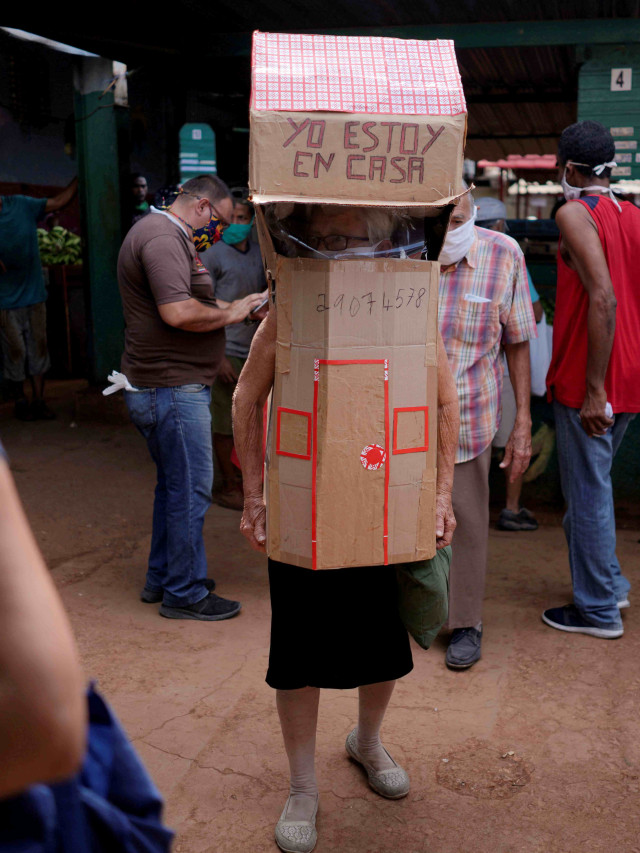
x: 620, y: 79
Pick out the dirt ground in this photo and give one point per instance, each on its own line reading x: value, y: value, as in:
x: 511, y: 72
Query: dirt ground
x: 536, y: 749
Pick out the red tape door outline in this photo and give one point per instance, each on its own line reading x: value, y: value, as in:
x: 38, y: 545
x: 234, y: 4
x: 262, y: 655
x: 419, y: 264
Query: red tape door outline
x: 316, y: 382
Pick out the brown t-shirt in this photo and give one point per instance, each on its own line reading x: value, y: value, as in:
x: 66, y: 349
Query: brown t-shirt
x: 158, y: 264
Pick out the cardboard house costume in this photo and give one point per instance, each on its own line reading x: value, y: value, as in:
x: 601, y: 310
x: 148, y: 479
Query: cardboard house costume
x: 351, y: 450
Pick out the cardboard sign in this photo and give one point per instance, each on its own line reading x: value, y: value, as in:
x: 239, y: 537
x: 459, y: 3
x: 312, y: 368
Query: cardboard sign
x: 355, y: 120
x: 355, y: 158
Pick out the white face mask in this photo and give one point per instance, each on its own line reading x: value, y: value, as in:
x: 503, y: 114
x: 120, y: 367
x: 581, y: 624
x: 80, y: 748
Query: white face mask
x: 458, y: 242
x: 571, y: 193
x: 346, y: 254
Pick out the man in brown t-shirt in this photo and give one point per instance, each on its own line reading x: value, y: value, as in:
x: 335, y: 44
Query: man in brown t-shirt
x: 174, y: 343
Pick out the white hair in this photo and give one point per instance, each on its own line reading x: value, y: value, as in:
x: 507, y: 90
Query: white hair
x: 465, y: 186
x: 380, y: 222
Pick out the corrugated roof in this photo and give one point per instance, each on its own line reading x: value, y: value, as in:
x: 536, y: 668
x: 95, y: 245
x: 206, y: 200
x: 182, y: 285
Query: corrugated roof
x: 190, y: 26
x: 519, y: 98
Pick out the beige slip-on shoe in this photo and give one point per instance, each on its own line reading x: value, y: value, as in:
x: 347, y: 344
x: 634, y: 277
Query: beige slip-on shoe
x: 393, y: 783
x: 296, y: 836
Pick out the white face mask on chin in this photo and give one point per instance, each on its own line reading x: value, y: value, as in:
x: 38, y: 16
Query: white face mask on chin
x: 571, y: 193
x: 458, y: 242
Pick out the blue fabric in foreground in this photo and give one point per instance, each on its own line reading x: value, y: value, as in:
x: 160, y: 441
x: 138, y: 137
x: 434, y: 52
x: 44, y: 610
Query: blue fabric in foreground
x: 110, y: 806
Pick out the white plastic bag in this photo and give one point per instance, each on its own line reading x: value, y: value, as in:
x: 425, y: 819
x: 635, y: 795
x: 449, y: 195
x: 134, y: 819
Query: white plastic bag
x: 540, y: 355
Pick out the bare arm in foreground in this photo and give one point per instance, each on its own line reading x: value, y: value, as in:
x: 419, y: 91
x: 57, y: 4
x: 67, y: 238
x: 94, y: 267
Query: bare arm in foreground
x: 448, y: 426
x: 249, y: 398
x: 42, y: 691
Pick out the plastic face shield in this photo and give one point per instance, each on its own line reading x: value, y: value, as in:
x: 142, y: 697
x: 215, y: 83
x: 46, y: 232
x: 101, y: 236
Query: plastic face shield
x: 371, y: 233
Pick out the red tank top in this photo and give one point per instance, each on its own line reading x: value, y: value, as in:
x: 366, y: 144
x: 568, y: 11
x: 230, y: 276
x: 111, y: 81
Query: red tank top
x: 566, y: 380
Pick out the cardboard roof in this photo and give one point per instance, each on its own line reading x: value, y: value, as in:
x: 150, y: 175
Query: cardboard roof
x: 355, y: 120
x: 355, y: 74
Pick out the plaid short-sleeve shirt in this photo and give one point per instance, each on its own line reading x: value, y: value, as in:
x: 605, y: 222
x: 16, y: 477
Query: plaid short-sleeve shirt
x: 483, y: 302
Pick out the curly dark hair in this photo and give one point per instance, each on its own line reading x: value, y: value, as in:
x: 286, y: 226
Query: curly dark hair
x: 587, y: 142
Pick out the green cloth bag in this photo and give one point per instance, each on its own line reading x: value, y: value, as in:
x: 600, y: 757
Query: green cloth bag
x: 423, y: 596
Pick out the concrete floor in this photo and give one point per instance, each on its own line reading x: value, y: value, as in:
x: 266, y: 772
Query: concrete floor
x: 536, y: 749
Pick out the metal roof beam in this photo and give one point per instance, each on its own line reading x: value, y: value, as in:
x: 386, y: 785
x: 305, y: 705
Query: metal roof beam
x: 489, y: 135
x: 502, y: 34
x: 513, y: 96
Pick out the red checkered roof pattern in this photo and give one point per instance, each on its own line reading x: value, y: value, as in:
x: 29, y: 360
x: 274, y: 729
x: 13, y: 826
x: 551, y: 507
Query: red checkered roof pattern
x: 355, y: 74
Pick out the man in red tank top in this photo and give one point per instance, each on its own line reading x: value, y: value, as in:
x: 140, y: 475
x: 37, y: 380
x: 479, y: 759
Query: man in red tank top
x: 594, y: 377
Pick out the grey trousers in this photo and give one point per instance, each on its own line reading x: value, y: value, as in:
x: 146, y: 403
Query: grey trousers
x: 470, y: 541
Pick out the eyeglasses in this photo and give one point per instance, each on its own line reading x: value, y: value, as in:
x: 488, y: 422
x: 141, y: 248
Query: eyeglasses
x: 335, y: 242
x: 223, y: 222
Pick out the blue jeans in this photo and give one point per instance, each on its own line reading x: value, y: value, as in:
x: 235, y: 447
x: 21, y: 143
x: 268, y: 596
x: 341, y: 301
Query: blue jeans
x: 176, y: 423
x: 589, y: 523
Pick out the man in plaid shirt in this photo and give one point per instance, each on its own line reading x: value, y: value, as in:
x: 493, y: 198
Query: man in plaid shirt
x: 484, y: 307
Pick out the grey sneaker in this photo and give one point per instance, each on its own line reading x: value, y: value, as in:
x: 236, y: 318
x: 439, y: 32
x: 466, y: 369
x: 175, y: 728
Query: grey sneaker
x: 464, y: 648
x: 212, y: 608
x: 521, y: 520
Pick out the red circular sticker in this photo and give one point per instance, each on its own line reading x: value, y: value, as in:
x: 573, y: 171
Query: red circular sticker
x: 373, y: 457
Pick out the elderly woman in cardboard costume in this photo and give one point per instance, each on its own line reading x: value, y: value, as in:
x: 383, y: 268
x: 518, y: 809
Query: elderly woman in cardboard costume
x: 338, y: 628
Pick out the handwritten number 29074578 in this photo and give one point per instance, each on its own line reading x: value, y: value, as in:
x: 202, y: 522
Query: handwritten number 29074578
x: 404, y: 298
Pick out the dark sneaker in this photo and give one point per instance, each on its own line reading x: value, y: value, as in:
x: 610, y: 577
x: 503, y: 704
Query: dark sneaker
x: 151, y: 596
x: 212, y: 608
x: 464, y: 648
x: 231, y: 499
x: 521, y: 520
x: 568, y: 618
x: 22, y: 410
x: 41, y: 412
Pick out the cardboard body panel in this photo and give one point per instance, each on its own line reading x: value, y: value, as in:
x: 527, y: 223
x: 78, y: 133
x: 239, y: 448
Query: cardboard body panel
x: 341, y: 157
x: 381, y: 311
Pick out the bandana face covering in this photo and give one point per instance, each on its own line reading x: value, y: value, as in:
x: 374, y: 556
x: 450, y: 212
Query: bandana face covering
x: 203, y: 238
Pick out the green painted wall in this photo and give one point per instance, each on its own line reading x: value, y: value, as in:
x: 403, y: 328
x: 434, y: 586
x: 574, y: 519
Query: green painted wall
x: 619, y: 110
x: 197, y: 151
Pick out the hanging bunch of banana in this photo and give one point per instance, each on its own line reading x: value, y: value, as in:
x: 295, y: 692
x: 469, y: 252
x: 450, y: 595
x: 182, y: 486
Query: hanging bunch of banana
x: 59, y: 246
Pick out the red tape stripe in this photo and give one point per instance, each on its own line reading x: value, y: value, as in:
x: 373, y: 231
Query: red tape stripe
x: 314, y: 550
x: 352, y: 361
x: 387, y: 462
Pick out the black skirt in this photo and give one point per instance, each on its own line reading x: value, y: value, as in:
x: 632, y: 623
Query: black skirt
x: 335, y: 628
